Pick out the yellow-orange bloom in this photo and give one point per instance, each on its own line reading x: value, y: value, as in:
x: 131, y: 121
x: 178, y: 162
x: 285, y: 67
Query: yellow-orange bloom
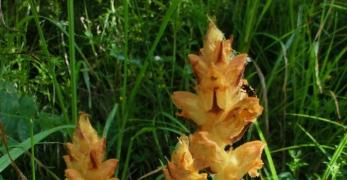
x: 222, y: 109
x: 246, y: 158
x: 232, y: 163
x: 86, y: 153
x: 206, y: 152
x: 181, y: 166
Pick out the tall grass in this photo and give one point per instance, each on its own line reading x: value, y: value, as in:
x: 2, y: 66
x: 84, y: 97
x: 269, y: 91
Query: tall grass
x: 72, y: 58
x: 123, y: 59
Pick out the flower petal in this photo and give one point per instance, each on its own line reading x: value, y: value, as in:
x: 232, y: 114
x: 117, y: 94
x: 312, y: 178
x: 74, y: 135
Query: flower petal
x: 206, y: 152
x: 212, y: 44
x: 249, y: 109
x: 235, y: 69
x: 223, y: 132
x: 245, y: 158
x: 181, y: 165
x: 190, y: 105
x: 198, y: 65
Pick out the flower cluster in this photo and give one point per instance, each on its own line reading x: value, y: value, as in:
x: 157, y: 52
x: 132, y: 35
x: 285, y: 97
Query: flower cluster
x: 86, y: 154
x: 222, y: 108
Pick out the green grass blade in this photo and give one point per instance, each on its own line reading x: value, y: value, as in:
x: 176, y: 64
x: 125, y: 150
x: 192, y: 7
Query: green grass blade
x: 319, y: 119
x: 72, y: 57
x: 140, y: 76
x: 32, y: 143
x: 301, y: 146
x: 43, y: 42
x: 335, y: 157
x: 140, y: 132
x: 109, y: 120
x: 86, y: 78
x: 271, y: 164
x: 166, y: 19
x: 25, y: 145
x: 129, y: 151
x: 183, y: 128
x: 126, y: 57
x: 44, y: 47
x: 314, y: 140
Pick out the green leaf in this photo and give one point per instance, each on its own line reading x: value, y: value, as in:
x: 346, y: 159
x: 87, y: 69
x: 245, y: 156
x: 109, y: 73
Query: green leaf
x: 109, y: 120
x: 48, y: 120
x: 15, y: 111
x: 23, y: 129
x: 28, y: 107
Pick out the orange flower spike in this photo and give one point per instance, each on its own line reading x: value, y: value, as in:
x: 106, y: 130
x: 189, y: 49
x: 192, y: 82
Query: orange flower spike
x: 222, y: 110
x: 86, y: 153
x: 181, y: 166
x: 219, y: 74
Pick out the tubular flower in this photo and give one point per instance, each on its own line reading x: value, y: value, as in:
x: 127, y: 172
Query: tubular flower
x: 222, y: 107
x: 206, y: 152
x: 86, y: 153
x: 181, y: 165
x: 243, y: 159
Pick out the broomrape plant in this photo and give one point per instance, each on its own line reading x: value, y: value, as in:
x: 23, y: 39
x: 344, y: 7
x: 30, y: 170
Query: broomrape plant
x: 222, y: 110
x: 86, y: 154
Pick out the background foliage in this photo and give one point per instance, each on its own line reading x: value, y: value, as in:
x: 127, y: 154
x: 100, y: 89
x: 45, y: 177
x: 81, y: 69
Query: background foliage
x: 131, y: 55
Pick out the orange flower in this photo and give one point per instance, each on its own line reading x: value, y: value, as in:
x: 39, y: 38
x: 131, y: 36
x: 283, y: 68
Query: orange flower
x: 246, y: 158
x: 206, y: 152
x: 232, y: 164
x: 220, y: 105
x: 181, y: 165
x: 218, y: 73
x: 86, y: 154
x: 222, y: 110
x: 231, y: 128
